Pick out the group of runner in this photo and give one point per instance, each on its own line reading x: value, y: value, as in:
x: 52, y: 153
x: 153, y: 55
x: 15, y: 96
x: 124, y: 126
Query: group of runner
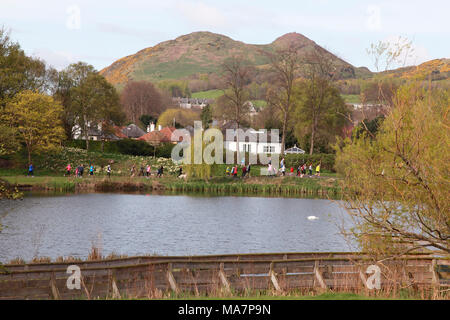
x: 301, y: 169
x: 234, y: 171
x: 79, y: 170
x: 146, y: 171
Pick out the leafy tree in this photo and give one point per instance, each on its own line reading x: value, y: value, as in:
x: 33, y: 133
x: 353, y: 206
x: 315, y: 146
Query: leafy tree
x: 396, y: 184
x: 9, y: 143
x: 181, y: 117
x: 206, y: 116
x: 95, y: 103
x: 369, y: 126
x: 146, y: 119
x: 62, y: 84
x: 176, y: 88
x: 320, y: 113
x: 36, y: 118
x: 18, y: 72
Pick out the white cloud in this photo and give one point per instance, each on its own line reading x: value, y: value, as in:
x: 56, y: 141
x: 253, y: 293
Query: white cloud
x: 201, y: 15
x: 57, y: 59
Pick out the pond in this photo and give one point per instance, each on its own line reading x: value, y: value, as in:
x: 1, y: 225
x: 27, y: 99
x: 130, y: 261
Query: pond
x: 137, y: 224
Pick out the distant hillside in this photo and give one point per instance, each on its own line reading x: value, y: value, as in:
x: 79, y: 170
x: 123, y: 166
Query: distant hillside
x: 437, y: 69
x: 199, y: 54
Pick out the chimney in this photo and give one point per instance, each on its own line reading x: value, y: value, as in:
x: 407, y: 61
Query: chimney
x: 152, y: 127
x: 159, y: 127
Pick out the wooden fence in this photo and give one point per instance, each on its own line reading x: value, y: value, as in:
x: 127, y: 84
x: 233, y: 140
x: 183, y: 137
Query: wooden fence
x: 152, y: 276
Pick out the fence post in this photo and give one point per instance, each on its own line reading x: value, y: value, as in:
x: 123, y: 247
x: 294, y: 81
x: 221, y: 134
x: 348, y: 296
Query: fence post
x: 115, y: 289
x: 55, y: 292
x: 170, y: 277
x: 434, y: 279
x: 223, y: 278
x: 273, y: 278
x: 318, y: 275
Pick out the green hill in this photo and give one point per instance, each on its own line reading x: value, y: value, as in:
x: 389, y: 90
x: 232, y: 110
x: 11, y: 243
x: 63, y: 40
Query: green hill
x: 198, y: 55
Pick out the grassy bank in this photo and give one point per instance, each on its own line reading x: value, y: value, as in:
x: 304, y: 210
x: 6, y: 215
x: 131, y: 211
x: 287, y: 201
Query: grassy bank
x: 263, y: 186
x: 50, y: 170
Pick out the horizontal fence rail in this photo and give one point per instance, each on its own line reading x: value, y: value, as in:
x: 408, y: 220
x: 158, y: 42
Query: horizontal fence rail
x: 151, y: 276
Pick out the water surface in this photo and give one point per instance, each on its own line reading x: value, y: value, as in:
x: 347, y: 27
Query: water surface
x: 133, y: 224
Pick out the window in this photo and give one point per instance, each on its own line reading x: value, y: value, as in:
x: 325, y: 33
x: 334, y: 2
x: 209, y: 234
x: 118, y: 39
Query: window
x: 268, y: 149
x: 247, y: 147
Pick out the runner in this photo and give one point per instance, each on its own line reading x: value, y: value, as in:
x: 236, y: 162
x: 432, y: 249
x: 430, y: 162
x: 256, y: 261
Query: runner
x: 68, y: 169
x: 31, y: 170
x: 108, y: 171
x: 91, y: 170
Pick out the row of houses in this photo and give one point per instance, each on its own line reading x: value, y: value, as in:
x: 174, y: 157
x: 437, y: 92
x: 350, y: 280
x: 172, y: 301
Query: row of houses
x: 250, y: 140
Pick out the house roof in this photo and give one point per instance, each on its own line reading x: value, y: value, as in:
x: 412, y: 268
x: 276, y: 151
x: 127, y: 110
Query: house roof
x: 132, y: 131
x: 164, y: 135
x: 294, y: 149
x: 254, y: 135
x: 154, y: 136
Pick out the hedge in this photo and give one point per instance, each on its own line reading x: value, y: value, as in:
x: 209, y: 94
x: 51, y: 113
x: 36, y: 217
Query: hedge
x: 125, y: 146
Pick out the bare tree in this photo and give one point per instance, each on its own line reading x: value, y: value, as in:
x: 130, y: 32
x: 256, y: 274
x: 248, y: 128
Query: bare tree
x: 320, y: 70
x: 141, y: 98
x: 236, y: 76
x: 285, y: 68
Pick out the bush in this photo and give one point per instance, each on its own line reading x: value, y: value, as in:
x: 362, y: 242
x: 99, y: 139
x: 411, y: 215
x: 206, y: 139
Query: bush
x: 295, y: 160
x: 164, y: 150
x: 134, y: 147
x: 125, y: 146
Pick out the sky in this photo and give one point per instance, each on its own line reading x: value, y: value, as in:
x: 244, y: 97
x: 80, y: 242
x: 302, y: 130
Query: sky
x: 101, y: 31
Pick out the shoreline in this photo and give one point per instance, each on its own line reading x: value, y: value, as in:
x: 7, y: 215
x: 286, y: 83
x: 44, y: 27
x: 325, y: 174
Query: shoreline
x: 288, y: 186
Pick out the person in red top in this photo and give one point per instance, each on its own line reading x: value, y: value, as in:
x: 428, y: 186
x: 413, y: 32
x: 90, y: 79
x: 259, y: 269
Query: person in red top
x: 292, y: 171
x: 68, y: 169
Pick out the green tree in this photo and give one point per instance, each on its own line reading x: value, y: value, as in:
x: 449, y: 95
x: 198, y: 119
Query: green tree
x: 181, y: 117
x: 396, y: 184
x: 36, y: 118
x: 9, y: 143
x: 18, y: 72
x: 95, y: 104
x: 320, y: 113
x: 206, y: 116
x: 63, y: 83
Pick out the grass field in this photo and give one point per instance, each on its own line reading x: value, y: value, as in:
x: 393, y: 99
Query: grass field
x: 210, y: 94
x: 351, y: 98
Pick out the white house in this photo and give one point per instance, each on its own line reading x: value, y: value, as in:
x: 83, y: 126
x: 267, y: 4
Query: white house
x: 250, y: 140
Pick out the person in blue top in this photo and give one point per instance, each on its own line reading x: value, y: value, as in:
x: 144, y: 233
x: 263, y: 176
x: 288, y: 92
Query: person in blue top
x: 91, y: 170
x: 31, y: 170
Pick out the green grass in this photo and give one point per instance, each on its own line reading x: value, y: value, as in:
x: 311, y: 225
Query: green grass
x: 351, y: 98
x: 210, y: 94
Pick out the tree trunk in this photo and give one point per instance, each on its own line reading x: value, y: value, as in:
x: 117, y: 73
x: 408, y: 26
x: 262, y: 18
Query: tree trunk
x: 313, y: 135
x: 86, y: 136
x: 238, y: 152
x: 283, y: 135
x: 29, y: 155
